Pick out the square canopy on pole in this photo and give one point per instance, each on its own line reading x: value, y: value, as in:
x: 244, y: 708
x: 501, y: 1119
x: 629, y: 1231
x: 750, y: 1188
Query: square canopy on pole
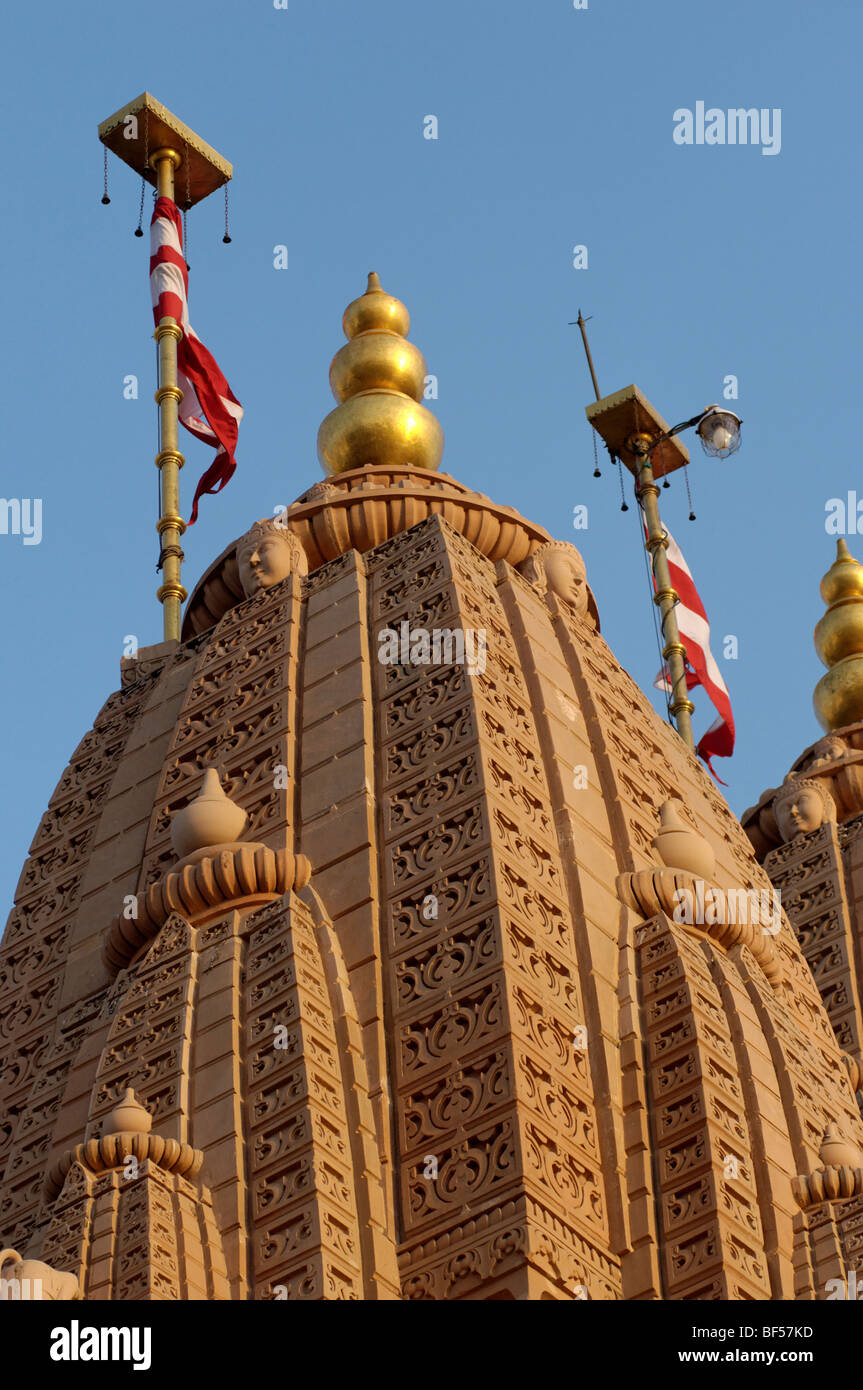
x: 155, y: 127
x: 625, y: 413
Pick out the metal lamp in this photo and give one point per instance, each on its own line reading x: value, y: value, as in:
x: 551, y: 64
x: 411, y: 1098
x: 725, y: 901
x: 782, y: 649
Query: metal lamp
x: 719, y: 432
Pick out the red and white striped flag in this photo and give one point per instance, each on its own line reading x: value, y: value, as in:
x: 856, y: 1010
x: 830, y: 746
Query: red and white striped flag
x: 209, y: 409
x: 718, y: 741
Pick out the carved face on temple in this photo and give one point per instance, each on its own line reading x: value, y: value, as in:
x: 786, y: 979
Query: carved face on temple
x: 267, y: 554
x: 802, y: 805
x: 559, y: 569
x: 827, y: 750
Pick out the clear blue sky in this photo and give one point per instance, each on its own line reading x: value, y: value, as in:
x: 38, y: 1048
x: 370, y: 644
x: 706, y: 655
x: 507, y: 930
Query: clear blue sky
x: 555, y: 129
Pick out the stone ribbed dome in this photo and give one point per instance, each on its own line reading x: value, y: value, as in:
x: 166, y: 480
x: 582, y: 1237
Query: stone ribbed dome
x: 451, y: 930
x: 435, y: 961
x: 362, y: 508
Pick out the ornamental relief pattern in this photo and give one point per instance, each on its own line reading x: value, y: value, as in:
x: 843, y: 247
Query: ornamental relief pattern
x: 37, y: 1047
x: 450, y: 731
x: 484, y: 989
x: 326, y: 574
x: 432, y: 969
x: 450, y: 1101
x: 458, y: 892
x: 396, y: 590
x: 42, y: 868
x: 708, y: 1205
x: 149, y: 1042
x: 500, y: 1243
x: 499, y: 1179
x: 162, y: 1238
x: 809, y: 873
x: 644, y: 749
x: 850, y: 830
x: 419, y: 704
x: 305, y: 1232
x: 238, y: 715
x: 814, y: 1074
x: 415, y: 858
x: 415, y: 803
x: 850, y: 1223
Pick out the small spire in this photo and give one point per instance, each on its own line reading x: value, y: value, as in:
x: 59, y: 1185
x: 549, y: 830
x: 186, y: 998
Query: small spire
x: 838, y: 697
x: 842, y: 551
x: 128, y: 1116
x: 844, y: 579
x: 681, y: 847
x: 837, y: 1151
x: 210, y: 819
x: 374, y: 286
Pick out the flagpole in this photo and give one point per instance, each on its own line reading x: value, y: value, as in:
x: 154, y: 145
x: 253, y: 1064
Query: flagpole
x: 169, y: 460
x: 148, y: 137
x: 665, y: 597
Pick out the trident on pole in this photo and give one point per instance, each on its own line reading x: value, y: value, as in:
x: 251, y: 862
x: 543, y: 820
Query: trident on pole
x: 151, y: 139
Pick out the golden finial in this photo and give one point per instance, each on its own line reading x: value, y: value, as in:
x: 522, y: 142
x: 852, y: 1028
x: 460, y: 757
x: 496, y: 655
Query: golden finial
x: 378, y: 378
x: 838, y: 697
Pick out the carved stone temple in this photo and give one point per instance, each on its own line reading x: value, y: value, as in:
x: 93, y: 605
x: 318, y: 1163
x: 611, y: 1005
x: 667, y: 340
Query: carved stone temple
x: 347, y: 961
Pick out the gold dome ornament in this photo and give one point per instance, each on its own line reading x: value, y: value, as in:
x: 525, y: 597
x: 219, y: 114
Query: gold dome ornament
x: 378, y: 378
x: 838, y: 697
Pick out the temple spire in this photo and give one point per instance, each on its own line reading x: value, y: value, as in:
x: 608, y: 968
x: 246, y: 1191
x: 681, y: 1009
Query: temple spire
x: 378, y: 378
x: 838, y: 697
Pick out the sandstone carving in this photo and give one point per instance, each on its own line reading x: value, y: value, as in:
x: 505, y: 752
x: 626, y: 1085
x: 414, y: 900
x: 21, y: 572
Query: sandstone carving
x: 267, y: 554
x: 801, y: 805
x: 361, y: 509
x: 247, y: 874
x: 836, y: 1150
x: 681, y: 847
x: 211, y: 819
x: 525, y: 1033
x: 685, y: 891
x: 31, y: 1279
x: 128, y: 1117
x: 558, y: 568
x: 840, y: 1176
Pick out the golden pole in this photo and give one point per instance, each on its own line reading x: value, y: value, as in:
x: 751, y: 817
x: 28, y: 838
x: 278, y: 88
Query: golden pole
x: 131, y: 133
x: 665, y: 597
x: 169, y: 460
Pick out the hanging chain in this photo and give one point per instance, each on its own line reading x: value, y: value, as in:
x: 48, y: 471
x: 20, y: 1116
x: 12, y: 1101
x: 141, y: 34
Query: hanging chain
x: 688, y: 493
x: 227, y: 237
x: 596, y: 472
x: 139, y: 230
x: 186, y: 206
x: 623, y: 505
x: 105, y: 198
